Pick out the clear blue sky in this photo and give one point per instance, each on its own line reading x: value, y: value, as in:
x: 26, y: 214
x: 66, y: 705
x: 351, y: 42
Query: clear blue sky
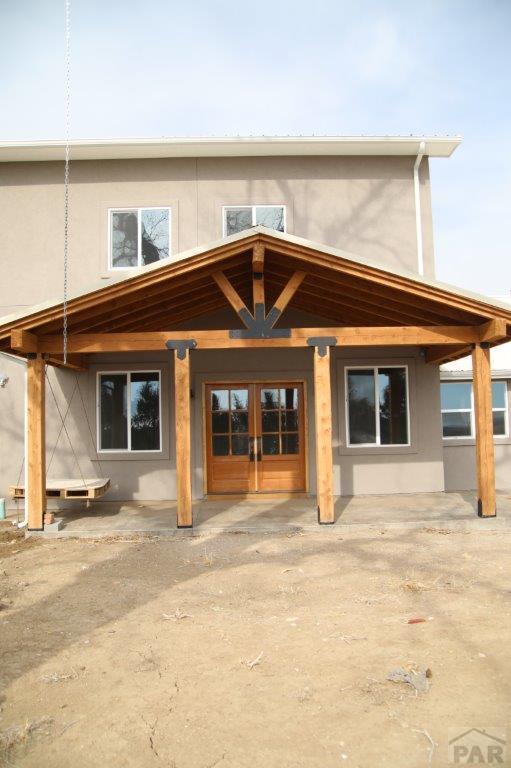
x: 287, y: 67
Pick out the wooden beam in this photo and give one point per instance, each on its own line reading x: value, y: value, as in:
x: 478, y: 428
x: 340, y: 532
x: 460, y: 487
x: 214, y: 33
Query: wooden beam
x: 323, y: 425
x: 74, y: 362
x: 23, y: 341
x: 183, y: 438
x: 258, y: 294
x: 229, y: 292
x: 485, y: 458
x: 258, y: 258
x: 445, y: 353
x: 289, y: 290
x: 36, y: 447
x: 458, y: 336
x: 493, y: 330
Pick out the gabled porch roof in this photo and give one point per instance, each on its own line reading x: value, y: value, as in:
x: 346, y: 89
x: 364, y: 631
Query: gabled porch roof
x: 344, y: 289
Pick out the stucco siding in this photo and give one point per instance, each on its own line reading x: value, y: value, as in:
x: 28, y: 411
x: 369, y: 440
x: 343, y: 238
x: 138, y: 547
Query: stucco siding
x: 361, y: 204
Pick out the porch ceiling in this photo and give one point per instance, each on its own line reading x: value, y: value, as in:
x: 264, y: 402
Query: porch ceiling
x: 339, y: 287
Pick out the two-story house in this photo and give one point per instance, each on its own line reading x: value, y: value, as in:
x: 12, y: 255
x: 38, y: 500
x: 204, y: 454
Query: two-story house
x: 243, y: 316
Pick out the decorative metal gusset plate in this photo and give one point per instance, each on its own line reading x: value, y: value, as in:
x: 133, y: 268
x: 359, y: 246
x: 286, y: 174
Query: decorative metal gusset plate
x: 181, y: 346
x: 322, y: 343
x: 260, y: 326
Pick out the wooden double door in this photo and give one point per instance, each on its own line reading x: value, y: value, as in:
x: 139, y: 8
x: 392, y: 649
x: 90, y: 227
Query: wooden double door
x: 255, y: 437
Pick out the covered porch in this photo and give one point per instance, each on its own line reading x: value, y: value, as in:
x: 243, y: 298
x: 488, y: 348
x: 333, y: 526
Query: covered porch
x: 271, y: 286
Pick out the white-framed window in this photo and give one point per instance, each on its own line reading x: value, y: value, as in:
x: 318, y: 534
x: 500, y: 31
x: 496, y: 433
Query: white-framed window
x: 236, y: 218
x: 129, y: 411
x: 377, y: 406
x: 138, y: 236
x: 457, y: 403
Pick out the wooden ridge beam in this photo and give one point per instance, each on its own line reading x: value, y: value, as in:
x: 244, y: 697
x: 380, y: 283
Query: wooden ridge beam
x: 375, y: 336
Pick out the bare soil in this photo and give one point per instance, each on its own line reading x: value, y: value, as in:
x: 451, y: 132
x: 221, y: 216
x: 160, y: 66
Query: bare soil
x: 251, y: 650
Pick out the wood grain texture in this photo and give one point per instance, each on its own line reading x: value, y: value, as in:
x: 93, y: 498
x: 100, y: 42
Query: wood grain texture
x: 323, y: 413
x: 36, y: 445
x: 485, y: 453
x: 183, y: 440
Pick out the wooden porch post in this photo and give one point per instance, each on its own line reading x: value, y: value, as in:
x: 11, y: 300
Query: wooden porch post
x: 35, y: 494
x: 485, y: 455
x: 323, y: 413
x: 183, y: 437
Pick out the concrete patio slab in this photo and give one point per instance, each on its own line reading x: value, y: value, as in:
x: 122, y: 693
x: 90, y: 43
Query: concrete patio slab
x: 454, y: 511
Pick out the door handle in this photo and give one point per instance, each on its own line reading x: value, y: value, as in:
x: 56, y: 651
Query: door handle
x: 251, y: 454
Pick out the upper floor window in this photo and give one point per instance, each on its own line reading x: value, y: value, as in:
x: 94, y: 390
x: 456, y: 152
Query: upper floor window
x: 240, y: 217
x: 457, y: 399
x: 377, y: 406
x: 138, y: 236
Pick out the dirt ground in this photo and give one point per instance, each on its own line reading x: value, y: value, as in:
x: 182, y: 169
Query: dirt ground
x: 251, y: 650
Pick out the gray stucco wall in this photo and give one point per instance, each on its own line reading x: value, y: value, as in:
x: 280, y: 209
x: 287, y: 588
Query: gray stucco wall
x: 356, y: 471
x: 362, y: 204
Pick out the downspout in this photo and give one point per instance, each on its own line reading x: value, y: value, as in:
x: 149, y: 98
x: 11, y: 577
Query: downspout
x: 418, y: 217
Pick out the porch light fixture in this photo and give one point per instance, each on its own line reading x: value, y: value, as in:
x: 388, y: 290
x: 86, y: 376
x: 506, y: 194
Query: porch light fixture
x: 3, y: 380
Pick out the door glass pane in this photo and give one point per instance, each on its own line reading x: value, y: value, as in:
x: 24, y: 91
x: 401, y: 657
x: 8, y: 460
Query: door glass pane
x: 456, y: 424
x: 114, y: 419
x: 124, y: 238
x: 220, y: 421
x: 456, y: 395
x: 239, y: 399
x: 361, y: 407
x: 239, y: 421
x: 155, y: 234
x: 289, y: 443
x: 237, y: 219
x: 270, y: 421
x: 498, y: 389
x: 271, y: 216
x: 289, y: 397
x: 220, y: 400
x: 239, y: 445
x: 393, y: 406
x: 270, y: 445
x: 289, y: 421
x: 499, y: 423
x: 220, y: 445
x: 269, y: 399
x: 145, y: 412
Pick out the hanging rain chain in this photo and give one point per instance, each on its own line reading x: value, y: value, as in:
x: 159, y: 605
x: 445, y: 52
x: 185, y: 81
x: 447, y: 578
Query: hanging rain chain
x: 66, y: 172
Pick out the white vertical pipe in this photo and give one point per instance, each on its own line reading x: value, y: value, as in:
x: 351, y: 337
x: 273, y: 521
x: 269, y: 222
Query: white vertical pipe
x: 418, y: 217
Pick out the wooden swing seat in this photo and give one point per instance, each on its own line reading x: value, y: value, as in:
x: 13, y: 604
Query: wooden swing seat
x: 89, y: 488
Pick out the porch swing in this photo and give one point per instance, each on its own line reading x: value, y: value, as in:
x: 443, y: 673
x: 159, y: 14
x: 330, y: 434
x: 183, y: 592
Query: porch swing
x: 67, y: 488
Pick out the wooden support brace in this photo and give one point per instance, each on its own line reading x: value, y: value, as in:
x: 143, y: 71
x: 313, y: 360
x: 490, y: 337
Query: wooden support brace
x: 323, y: 414
x: 183, y: 437
x: 232, y: 296
x: 485, y: 454
x: 36, y: 446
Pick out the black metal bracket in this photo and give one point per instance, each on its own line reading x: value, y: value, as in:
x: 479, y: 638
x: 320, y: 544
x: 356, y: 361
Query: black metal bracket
x: 181, y: 346
x: 322, y: 342
x: 259, y: 325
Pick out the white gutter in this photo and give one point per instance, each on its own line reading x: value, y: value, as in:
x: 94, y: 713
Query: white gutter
x: 418, y: 217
